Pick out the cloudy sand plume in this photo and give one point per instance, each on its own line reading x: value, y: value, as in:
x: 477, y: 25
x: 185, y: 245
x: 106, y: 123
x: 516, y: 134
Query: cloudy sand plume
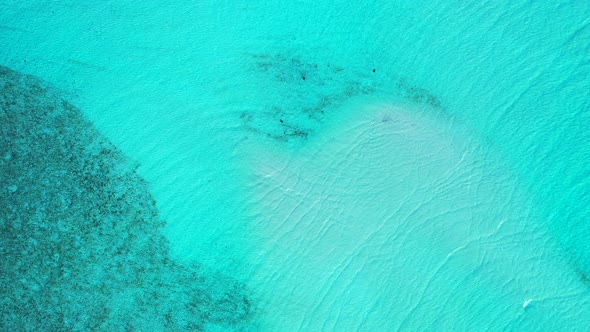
x: 397, y: 218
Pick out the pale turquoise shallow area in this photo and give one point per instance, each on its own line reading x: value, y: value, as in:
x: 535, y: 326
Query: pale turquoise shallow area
x: 369, y: 165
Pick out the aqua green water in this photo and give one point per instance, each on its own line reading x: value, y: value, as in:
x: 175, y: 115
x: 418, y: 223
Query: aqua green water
x: 368, y: 166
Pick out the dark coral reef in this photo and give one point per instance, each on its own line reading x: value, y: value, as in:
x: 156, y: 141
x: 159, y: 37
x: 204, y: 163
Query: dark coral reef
x: 80, y: 236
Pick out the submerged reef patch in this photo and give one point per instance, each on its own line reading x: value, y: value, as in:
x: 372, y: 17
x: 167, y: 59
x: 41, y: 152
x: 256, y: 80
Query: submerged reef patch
x: 80, y: 236
x: 417, y: 94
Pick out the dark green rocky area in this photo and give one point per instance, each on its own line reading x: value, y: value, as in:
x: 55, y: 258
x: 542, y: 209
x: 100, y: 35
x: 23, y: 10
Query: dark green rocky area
x: 80, y: 236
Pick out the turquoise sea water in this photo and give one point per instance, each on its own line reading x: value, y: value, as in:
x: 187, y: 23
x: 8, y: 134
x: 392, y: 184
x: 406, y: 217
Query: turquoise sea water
x: 338, y: 166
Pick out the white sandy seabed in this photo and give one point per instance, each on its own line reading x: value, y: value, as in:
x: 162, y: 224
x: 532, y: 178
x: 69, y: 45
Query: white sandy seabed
x: 397, y: 218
